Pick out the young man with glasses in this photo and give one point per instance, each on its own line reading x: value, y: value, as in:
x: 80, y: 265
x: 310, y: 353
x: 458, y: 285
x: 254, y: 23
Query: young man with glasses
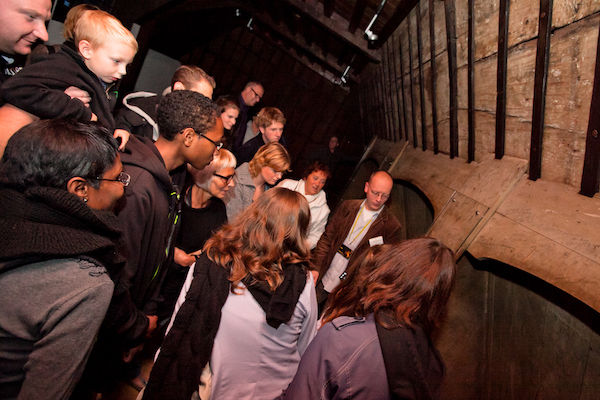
x: 354, y: 227
x: 190, y: 132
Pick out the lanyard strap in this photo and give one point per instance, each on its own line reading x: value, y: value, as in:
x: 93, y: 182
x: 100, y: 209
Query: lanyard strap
x: 354, y: 224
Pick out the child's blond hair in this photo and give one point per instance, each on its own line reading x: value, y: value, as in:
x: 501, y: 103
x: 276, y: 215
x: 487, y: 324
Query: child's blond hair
x: 99, y: 27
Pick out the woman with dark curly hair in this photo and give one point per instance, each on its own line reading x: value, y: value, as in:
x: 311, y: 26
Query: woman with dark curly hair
x: 250, y: 307
x: 375, y: 339
x: 59, y: 179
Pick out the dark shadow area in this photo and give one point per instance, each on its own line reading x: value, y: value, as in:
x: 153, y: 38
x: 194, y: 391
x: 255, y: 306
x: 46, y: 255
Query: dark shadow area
x: 550, y: 293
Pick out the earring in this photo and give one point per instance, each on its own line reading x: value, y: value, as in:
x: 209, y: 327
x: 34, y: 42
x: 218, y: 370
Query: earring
x: 85, y: 199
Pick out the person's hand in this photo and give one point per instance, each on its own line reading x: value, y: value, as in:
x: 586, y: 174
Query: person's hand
x: 76, y: 93
x: 130, y: 353
x: 182, y: 258
x: 152, y: 323
x: 123, y: 135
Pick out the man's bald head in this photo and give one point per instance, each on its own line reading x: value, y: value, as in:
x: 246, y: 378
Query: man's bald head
x: 378, y: 189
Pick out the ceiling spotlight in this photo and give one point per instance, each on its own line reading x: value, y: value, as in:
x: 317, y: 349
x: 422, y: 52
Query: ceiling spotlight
x: 237, y: 12
x: 249, y: 24
x: 369, y: 35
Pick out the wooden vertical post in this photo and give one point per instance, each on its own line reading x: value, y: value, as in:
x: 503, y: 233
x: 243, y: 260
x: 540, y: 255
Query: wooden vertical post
x: 433, y: 76
x: 412, y: 94
x: 471, y: 84
x: 590, y: 178
x: 402, y: 84
x: 398, y: 95
x: 501, y: 78
x: 451, y: 48
x: 421, y: 83
x: 542, y: 58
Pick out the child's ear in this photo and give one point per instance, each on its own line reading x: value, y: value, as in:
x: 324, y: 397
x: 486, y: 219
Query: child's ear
x: 85, y: 49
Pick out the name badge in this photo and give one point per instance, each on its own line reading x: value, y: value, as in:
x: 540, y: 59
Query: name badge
x: 376, y: 241
x: 345, y: 251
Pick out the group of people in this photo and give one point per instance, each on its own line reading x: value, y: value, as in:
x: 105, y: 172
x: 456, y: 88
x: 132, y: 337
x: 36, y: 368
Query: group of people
x: 139, y: 229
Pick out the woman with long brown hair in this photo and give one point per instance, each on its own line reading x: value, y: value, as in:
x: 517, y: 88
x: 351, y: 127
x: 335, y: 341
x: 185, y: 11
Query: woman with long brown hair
x: 375, y: 339
x: 250, y: 308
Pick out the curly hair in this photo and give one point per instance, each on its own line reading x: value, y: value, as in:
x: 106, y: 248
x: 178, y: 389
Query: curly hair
x: 50, y: 152
x: 183, y: 109
x: 264, y: 237
x: 401, y: 284
x: 267, y: 115
x: 272, y: 155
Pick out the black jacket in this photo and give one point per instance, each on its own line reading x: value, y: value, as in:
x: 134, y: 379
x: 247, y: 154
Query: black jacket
x: 147, y: 217
x: 39, y: 89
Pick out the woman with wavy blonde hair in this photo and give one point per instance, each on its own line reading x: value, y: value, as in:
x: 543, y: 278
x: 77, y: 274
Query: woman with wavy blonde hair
x: 375, y: 340
x: 250, y: 307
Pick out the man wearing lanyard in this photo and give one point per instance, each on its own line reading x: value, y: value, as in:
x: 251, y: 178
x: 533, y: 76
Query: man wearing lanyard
x: 355, y: 226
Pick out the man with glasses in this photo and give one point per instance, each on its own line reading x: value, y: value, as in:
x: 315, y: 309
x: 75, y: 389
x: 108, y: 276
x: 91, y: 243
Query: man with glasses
x: 249, y: 97
x: 190, y: 132
x: 355, y: 226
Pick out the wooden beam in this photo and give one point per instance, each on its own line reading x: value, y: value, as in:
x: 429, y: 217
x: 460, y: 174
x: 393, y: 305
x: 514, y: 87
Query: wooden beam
x: 501, y: 78
x: 392, y: 88
x: 590, y: 178
x: 542, y: 58
x: 328, y: 6
x: 387, y: 94
x: 402, y: 10
x: 433, y: 76
x: 396, y: 90
x: 421, y: 85
x: 357, y: 13
x: 322, y: 72
x: 449, y: 7
x: 298, y: 41
x: 335, y: 24
x: 402, y: 83
x: 410, y: 76
x: 471, y: 83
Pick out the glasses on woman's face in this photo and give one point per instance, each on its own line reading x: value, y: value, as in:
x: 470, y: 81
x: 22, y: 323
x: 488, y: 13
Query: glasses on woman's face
x: 227, y: 178
x: 123, y: 177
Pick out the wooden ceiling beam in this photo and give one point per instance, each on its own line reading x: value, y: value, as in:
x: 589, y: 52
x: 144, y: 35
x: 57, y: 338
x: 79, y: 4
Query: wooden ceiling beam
x: 312, y: 66
x: 328, y: 6
x: 397, y: 17
x: 357, y: 13
x: 336, y: 24
x: 298, y: 41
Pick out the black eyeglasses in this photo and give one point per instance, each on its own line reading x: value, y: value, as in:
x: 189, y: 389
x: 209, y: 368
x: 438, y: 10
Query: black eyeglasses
x: 256, y: 94
x: 123, y: 177
x: 218, y: 145
x: 225, y: 178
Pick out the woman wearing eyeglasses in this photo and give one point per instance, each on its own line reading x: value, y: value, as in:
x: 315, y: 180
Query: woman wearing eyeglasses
x: 58, y: 181
x: 265, y: 169
x: 202, y: 213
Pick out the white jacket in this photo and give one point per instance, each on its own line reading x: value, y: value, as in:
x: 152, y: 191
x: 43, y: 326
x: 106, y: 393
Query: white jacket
x: 319, y: 211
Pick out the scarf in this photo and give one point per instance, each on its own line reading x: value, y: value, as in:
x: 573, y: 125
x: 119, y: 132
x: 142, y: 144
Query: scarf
x: 188, y: 345
x: 45, y: 223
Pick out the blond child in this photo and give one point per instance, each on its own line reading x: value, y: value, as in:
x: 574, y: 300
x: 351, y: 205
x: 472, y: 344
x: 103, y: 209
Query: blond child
x: 94, y: 61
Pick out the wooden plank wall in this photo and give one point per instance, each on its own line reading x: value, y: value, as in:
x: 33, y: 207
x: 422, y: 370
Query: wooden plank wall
x: 561, y: 97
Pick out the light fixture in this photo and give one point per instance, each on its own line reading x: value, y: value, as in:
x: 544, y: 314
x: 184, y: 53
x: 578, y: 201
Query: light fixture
x: 369, y: 35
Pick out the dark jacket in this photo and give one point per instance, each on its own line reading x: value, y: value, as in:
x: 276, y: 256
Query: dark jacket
x: 246, y: 152
x: 385, y: 225
x: 138, y: 116
x: 346, y: 360
x: 39, y: 89
x: 147, y: 216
